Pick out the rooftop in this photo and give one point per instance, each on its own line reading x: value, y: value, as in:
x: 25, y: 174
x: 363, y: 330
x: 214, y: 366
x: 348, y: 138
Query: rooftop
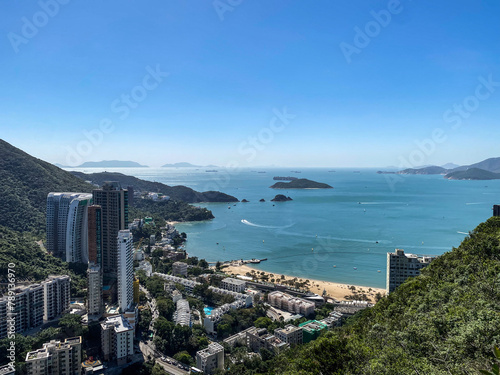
x: 118, y: 322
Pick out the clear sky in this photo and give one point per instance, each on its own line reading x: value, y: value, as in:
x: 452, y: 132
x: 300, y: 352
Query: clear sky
x: 288, y: 83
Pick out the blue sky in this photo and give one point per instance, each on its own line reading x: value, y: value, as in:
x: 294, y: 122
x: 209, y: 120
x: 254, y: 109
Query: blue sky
x: 66, y: 67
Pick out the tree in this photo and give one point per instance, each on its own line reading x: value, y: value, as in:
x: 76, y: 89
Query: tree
x: 71, y: 325
x: 184, y: 357
x: 165, y: 307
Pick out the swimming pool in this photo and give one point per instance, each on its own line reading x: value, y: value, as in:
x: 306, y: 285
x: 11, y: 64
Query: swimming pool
x: 208, y: 310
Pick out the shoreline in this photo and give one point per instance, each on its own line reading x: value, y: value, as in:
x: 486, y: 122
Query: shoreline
x: 333, y: 290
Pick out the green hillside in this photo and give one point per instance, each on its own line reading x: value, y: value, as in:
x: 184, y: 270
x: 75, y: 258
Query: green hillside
x: 301, y: 183
x: 25, y: 182
x: 32, y: 263
x: 181, y: 193
x: 473, y: 174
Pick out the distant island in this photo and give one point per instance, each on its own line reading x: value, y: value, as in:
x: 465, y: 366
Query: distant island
x: 473, y: 174
x: 187, y: 165
x: 301, y: 183
x: 488, y: 169
x: 110, y: 164
x: 281, y: 198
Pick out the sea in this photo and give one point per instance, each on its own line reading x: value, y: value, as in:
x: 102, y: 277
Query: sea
x: 339, y: 235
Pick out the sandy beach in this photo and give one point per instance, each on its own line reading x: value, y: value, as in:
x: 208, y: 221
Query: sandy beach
x: 333, y: 290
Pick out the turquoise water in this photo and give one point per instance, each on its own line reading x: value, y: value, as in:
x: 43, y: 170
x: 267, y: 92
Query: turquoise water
x: 420, y: 214
x: 208, y: 311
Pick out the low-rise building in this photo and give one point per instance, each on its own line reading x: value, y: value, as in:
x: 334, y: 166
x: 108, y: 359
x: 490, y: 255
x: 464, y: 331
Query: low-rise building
x: 179, y: 269
x: 7, y: 370
x: 182, y: 315
x: 290, y: 303
x: 211, y: 358
x: 56, y: 358
x: 117, y: 339
x: 312, y: 329
x: 290, y: 335
x: 233, y: 285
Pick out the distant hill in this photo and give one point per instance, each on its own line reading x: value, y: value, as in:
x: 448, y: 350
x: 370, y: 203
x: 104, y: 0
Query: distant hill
x: 425, y: 170
x: 182, y: 193
x: 450, y: 166
x: 491, y: 165
x: 473, y: 174
x: 111, y: 164
x: 301, y: 183
x: 187, y: 165
x: 25, y: 182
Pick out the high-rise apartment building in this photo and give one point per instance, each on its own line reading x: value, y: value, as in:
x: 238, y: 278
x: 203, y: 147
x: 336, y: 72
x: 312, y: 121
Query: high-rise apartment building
x: 95, y: 234
x: 125, y: 261
x: 56, y: 296
x: 179, y: 269
x: 56, y: 358
x: 66, y: 221
x: 401, y: 266
x: 94, y: 298
x: 28, y: 307
x: 114, y: 210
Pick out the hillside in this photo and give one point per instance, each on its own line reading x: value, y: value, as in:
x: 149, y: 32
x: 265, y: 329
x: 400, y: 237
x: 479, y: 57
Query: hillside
x: 491, y: 165
x: 473, y: 174
x: 25, y: 182
x: 445, y: 321
x: 111, y: 164
x: 35, y: 264
x: 182, y: 193
x: 425, y: 170
x: 301, y: 183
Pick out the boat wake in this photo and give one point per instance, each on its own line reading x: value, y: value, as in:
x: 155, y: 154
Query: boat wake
x: 462, y: 233
x: 246, y: 222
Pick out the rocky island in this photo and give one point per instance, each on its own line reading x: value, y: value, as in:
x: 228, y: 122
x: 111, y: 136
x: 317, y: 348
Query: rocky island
x: 473, y: 174
x: 281, y: 198
x: 301, y: 183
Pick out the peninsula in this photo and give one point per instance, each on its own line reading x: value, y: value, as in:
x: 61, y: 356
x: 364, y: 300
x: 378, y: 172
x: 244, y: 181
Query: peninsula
x: 301, y: 183
x: 111, y: 164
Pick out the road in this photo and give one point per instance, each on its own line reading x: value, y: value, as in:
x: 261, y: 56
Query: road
x: 148, y: 350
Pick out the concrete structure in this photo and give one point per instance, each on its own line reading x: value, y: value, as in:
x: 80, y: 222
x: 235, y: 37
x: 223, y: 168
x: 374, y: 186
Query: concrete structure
x: 56, y: 358
x: 56, y: 296
x: 233, y: 285
x: 179, y: 269
x: 257, y: 339
x: 291, y: 334
x: 28, y: 307
x: 7, y: 370
x: 95, y: 234
x: 117, y: 339
x: 94, y: 282
x: 312, y: 329
x: 114, y: 207
x: 67, y: 225
x: 496, y: 210
x: 182, y: 315
x: 125, y: 271
x: 401, y: 266
x: 291, y: 304
x: 4, y: 309
x: 211, y: 358
x: 136, y: 290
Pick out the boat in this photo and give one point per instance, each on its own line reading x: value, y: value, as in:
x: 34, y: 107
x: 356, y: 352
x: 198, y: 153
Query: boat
x: 256, y: 261
x: 211, y: 170
x: 355, y: 268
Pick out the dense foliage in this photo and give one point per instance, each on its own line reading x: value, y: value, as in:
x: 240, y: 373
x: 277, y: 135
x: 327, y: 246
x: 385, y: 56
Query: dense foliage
x: 444, y: 321
x: 473, y: 174
x: 300, y: 183
x: 170, y: 210
x: 25, y: 182
x: 177, y: 193
x: 33, y: 263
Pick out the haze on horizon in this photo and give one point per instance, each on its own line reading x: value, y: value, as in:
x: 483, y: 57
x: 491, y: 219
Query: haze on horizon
x: 284, y: 83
